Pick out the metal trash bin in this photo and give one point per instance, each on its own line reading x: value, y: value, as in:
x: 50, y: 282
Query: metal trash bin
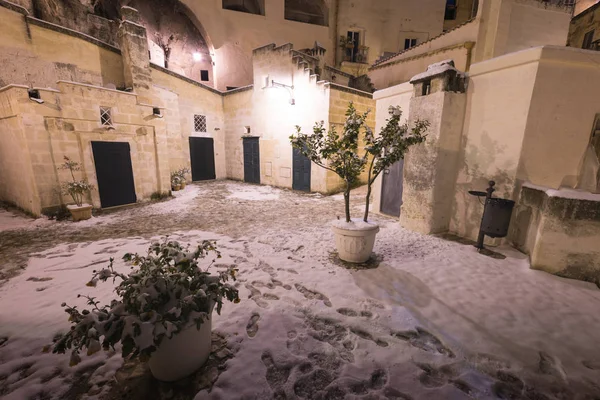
x: 496, y: 215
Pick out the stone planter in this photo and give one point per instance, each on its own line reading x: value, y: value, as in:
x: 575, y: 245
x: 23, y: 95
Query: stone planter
x: 80, y: 213
x: 354, y: 240
x: 183, y: 354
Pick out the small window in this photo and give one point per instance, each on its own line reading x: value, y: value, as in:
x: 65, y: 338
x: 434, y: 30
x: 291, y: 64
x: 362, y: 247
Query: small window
x: 200, y: 123
x: 408, y: 43
x: 204, y: 75
x: 587, y: 40
x: 105, y: 116
x: 426, y: 87
x: 256, y: 7
x: 451, y: 7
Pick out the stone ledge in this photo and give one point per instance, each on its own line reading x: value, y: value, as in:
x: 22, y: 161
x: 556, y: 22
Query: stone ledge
x: 185, y: 78
x: 14, y: 7
x: 70, y: 32
x: 347, y: 89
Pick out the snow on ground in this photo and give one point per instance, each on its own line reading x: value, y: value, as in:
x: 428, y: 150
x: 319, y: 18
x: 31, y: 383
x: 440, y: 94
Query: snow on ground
x: 10, y: 220
x: 434, y: 320
x: 253, y: 193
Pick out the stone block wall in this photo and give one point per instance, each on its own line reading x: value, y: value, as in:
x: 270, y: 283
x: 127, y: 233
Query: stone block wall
x: 183, y: 98
x: 560, y: 231
x: 339, y: 99
x: 17, y: 184
x: 53, y: 53
x: 65, y: 124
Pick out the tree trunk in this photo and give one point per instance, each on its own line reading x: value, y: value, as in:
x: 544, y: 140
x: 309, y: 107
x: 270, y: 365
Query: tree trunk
x: 347, y: 201
x: 367, y: 202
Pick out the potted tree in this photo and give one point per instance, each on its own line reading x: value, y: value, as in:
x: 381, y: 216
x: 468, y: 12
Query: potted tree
x: 339, y: 152
x: 162, y: 313
x: 76, y: 189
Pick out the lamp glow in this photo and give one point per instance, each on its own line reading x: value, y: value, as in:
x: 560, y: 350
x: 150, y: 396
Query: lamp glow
x: 197, y: 57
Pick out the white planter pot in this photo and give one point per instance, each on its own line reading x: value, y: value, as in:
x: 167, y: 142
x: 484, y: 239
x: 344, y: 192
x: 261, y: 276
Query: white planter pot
x: 80, y: 213
x: 354, y: 240
x: 183, y: 354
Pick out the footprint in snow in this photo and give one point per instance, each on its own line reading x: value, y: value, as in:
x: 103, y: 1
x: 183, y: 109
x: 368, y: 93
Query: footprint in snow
x: 421, y: 339
x: 252, y: 325
x: 352, y: 313
x: 310, y: 294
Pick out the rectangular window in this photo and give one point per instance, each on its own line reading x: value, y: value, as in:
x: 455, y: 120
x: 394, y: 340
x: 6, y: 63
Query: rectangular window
x: 587, y: 40
x: 199, y: 123
x: 256, y: 7
x: 451, y: 7
x: 426, y: 88
x: 204, y: 75
x: 408, y: 43
x: 105, y: 116
x: 352, y: 46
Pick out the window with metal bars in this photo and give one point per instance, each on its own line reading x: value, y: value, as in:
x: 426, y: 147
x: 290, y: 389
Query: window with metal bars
x: 199, y: 123
x: 106, y: 116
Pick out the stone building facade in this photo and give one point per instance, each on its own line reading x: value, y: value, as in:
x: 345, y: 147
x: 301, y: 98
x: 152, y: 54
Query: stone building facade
x: 499, y: 27
x: 500, y: 126
x: 584, y: 31
x: 157, y: 124
x: 212, y: 40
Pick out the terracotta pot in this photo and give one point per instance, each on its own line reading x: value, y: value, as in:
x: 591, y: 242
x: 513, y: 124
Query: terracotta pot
x: 183, y: 354
x: 354, y: 241
x: 80, y: 213
x: 176, y: 187
x: 183, y: 185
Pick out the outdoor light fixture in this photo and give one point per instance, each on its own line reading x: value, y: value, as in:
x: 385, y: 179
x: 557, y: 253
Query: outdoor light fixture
x: 270, y: 83
x: 197, y: 57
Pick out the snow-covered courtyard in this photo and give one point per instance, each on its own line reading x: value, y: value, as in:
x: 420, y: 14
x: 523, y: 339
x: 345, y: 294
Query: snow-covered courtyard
x: 431, y: 318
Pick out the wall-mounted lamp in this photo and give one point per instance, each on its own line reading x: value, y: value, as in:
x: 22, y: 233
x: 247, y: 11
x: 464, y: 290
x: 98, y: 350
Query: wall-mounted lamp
x: 34, y: 95
x: 270, y: 83
x: 197, y: 57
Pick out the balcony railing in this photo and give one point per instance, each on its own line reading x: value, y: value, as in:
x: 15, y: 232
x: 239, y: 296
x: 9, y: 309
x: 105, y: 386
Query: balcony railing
x: 360, y: 55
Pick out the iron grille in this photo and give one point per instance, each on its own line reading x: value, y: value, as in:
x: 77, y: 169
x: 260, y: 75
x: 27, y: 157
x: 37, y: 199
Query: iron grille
x: 199, y: 123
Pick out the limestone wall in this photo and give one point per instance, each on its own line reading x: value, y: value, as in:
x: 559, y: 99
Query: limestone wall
x: 398, y: 95
x: 558, y: 132
x: 513, y: 134
x: 66, y: 124
x: 513, y: 25
x: 498, y: 100
x: 274, y: 118
x: 182, y: 99
x: 51, y: 55
x: 384, y: 25
x: 560, y: 231
x: 17, y: 184
x: 237, y: 111
x: 233, y: 35
x: 338, y: 104
x: 582, y: 24
x: 402, y: 70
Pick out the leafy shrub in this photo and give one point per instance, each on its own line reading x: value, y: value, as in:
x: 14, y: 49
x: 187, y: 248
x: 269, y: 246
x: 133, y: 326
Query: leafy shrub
x: 76, y: 188
x: 168, y: 292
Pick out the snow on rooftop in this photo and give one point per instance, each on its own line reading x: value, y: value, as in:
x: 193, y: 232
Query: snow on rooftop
x: 566, y: 193
x: 434, y: 70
